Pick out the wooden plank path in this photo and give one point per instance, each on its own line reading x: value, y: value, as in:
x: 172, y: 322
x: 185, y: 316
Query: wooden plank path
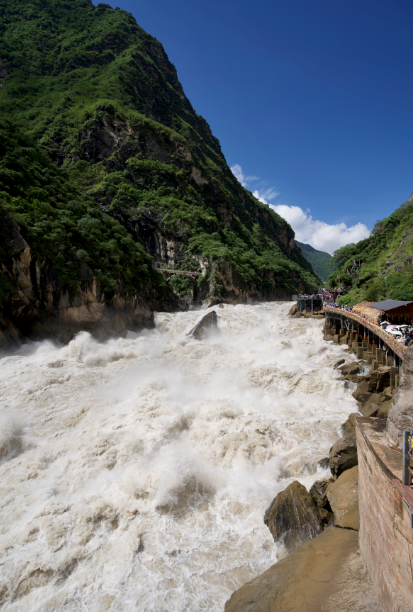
x: 396, y: 347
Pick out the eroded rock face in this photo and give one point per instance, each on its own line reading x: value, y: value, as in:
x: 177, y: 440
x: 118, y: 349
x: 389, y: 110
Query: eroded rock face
x: 205, y: 327
x: 41, y: 307
x: 379, y: 379
x: 377, y: 403
x: 401, y: 410
x: 343, y: 455
x: 349, y: 427
x: 293, y: 517
x: 318, y: 492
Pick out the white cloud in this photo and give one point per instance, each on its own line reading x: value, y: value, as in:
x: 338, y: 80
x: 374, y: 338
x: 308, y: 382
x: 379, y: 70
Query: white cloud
x: 267, y: 194
x: 238, y: 173
x: 320, y: 235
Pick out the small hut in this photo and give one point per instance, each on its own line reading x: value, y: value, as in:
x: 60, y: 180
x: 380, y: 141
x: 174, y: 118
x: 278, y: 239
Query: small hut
x: 395, y: 311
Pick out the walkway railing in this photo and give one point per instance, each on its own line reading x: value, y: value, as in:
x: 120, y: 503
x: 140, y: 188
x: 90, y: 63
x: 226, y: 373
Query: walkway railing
x: 396, y: 347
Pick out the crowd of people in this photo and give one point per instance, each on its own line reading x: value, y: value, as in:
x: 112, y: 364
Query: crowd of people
x: 400, y: 331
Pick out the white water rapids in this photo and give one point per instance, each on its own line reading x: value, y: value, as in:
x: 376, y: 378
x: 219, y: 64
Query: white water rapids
x: 135, y: 473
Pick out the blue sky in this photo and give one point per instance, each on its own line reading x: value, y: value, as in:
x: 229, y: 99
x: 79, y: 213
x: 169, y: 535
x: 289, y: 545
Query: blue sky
x: 313, y: 97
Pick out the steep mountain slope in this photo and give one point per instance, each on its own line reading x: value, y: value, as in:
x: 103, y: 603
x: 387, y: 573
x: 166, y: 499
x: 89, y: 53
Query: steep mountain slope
x: 101, y: 98
x: 320, y: 260
x: 380, y: 266
x: 63, y: 260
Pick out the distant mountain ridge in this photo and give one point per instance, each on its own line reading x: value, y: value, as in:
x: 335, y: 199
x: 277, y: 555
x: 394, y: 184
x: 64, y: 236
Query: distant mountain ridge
x: 320, y: 260
x: 379, y: 267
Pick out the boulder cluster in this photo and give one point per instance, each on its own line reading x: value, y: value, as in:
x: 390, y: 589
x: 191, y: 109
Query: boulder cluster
x: 297, y: 515
x: 319, y: 528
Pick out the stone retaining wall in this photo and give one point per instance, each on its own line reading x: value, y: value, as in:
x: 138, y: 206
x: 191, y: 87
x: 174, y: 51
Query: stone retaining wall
x: 386, y: 536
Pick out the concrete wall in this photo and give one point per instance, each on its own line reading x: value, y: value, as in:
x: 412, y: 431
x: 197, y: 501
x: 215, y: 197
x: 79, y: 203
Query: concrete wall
x: 386, y: 536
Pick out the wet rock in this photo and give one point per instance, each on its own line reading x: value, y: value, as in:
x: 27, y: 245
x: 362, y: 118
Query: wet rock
x: 318, y: 493
x: 352, y: 378
x: 379, y: 379
x: 362, y: 393
x: 350, y: 368
x: 292, y: 310
x: 377, y: 402
x: 338, y: 363
x: 293, y: 517
x: 343, y: 497
x: 324, y: 463
x: 349, y: 427
x: 343, y: 455
x: 207, y: 325
x: 383, y: 411
x: 326, y: 517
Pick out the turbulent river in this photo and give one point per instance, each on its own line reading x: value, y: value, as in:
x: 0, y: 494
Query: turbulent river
x: 135, y: 473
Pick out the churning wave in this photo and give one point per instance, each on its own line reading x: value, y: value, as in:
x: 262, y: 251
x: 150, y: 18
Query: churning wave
x: 135, y: 473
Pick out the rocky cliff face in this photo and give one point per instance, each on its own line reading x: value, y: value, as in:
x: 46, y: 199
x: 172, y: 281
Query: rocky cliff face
x: 401, y: 411
x: 101, y: 98
x: 40, y: 305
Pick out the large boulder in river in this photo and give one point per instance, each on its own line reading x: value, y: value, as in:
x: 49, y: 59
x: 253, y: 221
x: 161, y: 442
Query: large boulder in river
x: 343, y: 455
x: 293, y: 517
x: 350, y: 368
x: 205, y: 327
x: 362, y: 393
x: 343, y: 496
x: 292, y: 310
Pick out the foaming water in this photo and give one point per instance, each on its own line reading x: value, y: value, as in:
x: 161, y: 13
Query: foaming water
x: 135, y: 474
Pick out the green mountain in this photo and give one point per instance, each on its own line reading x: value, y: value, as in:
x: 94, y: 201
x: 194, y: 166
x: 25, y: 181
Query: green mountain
x: 380, y: 266
x: 320, y: 260
x: 93, y: 94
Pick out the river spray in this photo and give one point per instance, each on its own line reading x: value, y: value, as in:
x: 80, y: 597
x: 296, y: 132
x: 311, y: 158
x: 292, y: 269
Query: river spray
x: 135, y: 474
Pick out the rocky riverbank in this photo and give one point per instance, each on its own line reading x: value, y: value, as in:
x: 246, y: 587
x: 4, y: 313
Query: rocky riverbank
x: 318, y: 528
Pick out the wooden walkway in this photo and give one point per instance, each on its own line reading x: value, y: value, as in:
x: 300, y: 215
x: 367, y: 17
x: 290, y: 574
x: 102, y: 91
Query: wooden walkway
x: 396, y: 347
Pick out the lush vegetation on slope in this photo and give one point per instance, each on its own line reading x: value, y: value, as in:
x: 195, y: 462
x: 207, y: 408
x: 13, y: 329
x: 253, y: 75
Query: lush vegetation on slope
x: 63, y: 225
x: 101, y: 98
x: 378, y: 267
x: 320, y: 260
